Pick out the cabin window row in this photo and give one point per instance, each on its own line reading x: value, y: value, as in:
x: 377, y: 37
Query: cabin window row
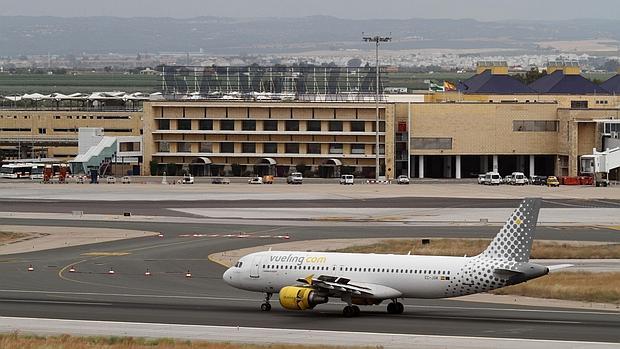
x: 358, y: 269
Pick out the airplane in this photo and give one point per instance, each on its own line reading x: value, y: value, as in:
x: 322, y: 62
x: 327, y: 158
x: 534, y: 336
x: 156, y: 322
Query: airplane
x: 304, y: 280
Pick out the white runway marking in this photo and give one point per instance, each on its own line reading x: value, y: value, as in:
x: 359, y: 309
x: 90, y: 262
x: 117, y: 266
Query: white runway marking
x: 274, y: 335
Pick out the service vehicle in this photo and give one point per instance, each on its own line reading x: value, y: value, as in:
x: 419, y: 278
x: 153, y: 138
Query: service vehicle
x: 518, y: 178
x: 268, y: 179
x: 110, y: 180
x: 552, y: 181
x: 492, y: 178
x: 255, y: 180
x: 347, y: 180
x: 295, y: 178
x: 15, y: 170
x: 126, y: 180
x: 402, y: 179
x: 37, y: 171
x: 187, y: 179
x: 481, y: 178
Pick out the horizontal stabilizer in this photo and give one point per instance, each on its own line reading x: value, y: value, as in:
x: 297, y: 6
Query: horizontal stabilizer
x: 559, y: 266
x: 507, y: 272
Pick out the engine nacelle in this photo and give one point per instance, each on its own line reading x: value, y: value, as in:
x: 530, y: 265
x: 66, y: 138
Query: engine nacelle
x: 300, y: 298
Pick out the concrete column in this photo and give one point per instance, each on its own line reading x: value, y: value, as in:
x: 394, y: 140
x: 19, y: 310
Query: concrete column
x: 495, y: 163
x: 532, y: 165
x: 484, y: 163
x: 447, y: 166
x: 458, y: 167
x: 420, y: 166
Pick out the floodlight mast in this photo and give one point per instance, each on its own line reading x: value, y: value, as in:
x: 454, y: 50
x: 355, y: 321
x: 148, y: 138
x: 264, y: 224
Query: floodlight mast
x: 377, y: 39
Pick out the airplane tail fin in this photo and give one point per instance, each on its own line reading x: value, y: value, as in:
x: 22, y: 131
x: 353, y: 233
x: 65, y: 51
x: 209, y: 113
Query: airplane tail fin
x: 514, y: 240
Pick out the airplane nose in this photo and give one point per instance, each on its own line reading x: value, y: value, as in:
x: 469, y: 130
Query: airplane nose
x: 228, y: 276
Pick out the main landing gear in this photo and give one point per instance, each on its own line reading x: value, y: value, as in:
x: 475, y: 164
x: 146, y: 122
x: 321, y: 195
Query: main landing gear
x: 351, y: 311
x: 266, y: 306
x: 395, y: 307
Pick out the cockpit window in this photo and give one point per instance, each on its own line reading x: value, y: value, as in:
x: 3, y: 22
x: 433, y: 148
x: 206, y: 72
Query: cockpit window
x: 238, y: 264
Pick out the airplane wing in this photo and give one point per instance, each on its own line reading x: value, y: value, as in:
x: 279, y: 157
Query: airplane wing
x: 337, y: 286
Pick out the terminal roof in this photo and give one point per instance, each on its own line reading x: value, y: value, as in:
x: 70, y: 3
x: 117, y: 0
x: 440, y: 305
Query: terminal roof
x: 612, y: 85
x: 560, y: 83
x: 489, y: 83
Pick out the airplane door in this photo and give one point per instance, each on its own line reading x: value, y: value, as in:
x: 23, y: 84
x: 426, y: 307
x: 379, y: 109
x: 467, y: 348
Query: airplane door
x: 254, y: 268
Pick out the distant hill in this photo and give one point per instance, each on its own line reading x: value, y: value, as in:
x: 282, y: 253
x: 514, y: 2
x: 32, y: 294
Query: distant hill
x: 42, y: 35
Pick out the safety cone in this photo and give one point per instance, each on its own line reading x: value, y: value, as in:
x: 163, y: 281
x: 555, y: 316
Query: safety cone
x: 111, y: 271
x: 30, y: 268
x: 147, y: 272
x: 188, y: 274
x: 72, y: 269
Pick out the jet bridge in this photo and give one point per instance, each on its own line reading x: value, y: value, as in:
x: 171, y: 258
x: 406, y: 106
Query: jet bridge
x: 599, y: 164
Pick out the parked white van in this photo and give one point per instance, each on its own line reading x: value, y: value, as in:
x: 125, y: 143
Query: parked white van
x: 518, y: 178
x: 346, y: 179
x: 492, y: 178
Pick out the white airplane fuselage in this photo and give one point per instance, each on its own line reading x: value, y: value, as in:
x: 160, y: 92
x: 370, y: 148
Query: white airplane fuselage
x: 306, y: 279
x: 410, y: 276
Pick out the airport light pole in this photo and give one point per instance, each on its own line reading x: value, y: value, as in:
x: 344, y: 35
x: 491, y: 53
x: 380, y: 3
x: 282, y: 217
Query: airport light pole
x: 377, y: 39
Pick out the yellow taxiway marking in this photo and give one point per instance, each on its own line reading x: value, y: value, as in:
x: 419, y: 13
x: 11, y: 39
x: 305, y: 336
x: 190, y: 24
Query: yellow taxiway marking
x: 104, y: 254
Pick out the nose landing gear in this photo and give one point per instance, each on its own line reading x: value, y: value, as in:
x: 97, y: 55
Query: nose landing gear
x: 266, y: 306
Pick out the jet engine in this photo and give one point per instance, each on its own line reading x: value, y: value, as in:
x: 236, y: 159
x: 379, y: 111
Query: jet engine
x: 300, y: 298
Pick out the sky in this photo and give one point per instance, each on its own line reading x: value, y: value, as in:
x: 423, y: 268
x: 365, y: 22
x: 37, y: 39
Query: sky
x: 355, y: 9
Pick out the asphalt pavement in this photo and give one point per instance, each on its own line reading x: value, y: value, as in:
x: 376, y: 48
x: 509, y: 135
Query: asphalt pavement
x: 168, y: 296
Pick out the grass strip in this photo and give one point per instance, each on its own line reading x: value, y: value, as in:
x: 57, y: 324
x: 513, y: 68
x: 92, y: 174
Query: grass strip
x: 20, y: 341
x: 585, y: 287
x: 10, y: 236
x: 472, y: 247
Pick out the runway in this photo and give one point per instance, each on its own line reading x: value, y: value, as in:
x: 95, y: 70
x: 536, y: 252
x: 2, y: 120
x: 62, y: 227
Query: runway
x: 167, y: 296
x: 166, y: 207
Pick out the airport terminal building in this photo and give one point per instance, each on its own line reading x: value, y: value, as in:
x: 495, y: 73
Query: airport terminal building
x: 491, y: 122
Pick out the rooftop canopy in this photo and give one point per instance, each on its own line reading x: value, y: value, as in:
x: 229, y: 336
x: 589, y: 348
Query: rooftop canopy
x: 487, y: 82
x: 613, y: 84
x: 560, y: 83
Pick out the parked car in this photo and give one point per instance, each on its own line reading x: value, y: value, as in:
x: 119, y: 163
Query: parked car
x: 402, y: 179
x: 126, y: 180
x: 220, y: 180
x: 481, y: 178
x: 552, y: 181
x: 187, y: 179
x: 518, y: 178
x: 492, y: 178
x: 255, y: 180
x: 295, y: 178
x: 538, y: 180
x: 347, y: 179
x: 110, y: 180
x: 268, y: 179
